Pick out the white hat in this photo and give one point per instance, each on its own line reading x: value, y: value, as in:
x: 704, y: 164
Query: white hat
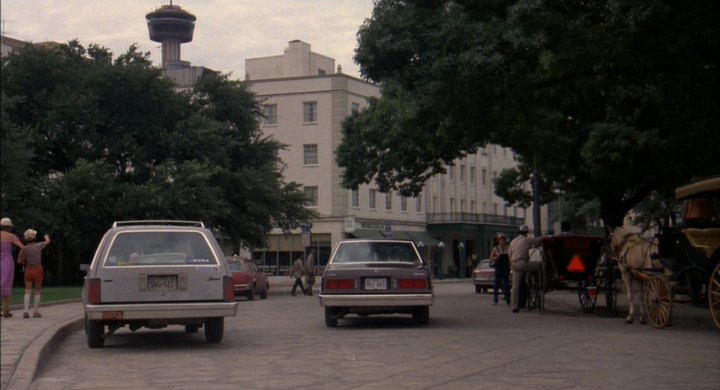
x: 6, y: 222
x: 523, y: 228
x: 30, y: 234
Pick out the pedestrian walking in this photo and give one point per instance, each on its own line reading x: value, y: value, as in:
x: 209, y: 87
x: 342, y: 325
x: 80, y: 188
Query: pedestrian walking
x: 297, y: 273
x: 310, y: 272
x: 519, y: 254
x: 500, y: 260
x: 31, y: 258
x: 7, y: 265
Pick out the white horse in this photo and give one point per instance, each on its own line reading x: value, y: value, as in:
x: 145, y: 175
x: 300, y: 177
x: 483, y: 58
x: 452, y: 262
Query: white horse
x: 633, y: 253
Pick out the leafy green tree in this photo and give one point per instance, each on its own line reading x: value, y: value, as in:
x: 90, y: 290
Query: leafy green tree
x: 604, y: 100
x: 88, y: 140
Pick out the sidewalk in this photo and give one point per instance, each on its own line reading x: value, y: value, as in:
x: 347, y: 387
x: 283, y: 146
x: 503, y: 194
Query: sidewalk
x: 25, y: 340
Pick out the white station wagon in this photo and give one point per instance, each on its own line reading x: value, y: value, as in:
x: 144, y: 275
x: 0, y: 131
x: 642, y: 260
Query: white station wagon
x: 154, y: 274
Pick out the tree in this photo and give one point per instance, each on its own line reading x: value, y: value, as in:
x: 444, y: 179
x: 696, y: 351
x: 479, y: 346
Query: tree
x: 609, y: 100
x: 87, y: 141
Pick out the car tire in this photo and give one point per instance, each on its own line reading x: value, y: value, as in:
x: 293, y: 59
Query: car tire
x: 478, y: 289
x: 331, y: 319
x: 95, y: 331
x: 214, y: 329
x: 191, y: 328
x: 251, y: 293
x: 421, y: 315
x: 264, y: 294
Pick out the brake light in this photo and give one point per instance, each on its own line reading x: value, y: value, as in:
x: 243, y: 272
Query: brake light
x: 229, y: 293
x: 339, y: 284
x: 93, y: 289
x: 412, y: 284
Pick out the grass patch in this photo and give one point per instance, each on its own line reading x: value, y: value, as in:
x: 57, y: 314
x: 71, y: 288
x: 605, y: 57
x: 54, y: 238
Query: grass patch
x: 49, y: 293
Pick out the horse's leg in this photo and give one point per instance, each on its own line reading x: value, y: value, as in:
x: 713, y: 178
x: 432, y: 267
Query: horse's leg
x: 643, y: 314
x: 627, y: 282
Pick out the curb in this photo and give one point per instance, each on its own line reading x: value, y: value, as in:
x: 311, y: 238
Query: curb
x: 46, y: 343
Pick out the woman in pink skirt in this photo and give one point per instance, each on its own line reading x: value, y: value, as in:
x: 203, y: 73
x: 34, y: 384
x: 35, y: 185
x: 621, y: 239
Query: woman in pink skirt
x: 7, y: 267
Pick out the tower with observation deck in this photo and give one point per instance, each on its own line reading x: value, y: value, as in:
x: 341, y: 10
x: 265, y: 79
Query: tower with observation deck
x: 171, y: 26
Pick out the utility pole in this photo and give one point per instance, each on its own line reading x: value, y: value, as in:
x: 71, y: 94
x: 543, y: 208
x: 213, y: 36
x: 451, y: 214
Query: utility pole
x: 537, y: 231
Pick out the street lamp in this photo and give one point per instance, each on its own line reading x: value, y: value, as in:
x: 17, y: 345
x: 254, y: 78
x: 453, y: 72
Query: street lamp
x: 461, y: 252
x: 441, y: 247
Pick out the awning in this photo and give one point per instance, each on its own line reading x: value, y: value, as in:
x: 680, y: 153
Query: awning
x: 424, y: 237
x: 367, y: 233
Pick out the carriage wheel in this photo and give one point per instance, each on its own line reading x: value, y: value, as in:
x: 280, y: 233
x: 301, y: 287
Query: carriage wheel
x: 610, y: 289
x: 714, y: 295
x: 587, y: 294
x: 658, y: 300
x: 533, y: 290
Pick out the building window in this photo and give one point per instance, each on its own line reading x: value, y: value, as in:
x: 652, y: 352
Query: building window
x: 452, y: 205
x: 473, y: 207
x: 403, y: 204
x: 354, y: 107
x: 484, y: 208
x: 270, y: 111
x: 311, y: 196
x: 495, y: 208
x: 355, y: 199
x: 434, y: 204
x: 451, y: 172
x: 371, y: 199
x: 310, y: 154
x: 472, y: 174
x: 388, y: 201
x: 462, y: 205
x: 418, y: 204
x: 484, y: 176
x: 309, y: 112
x: 462, y: 173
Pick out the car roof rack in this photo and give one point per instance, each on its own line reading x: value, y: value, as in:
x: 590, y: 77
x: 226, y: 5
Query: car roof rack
x: 159, y: 222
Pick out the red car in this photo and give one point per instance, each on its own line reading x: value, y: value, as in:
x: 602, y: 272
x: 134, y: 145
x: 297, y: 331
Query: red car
x: 248, y: 280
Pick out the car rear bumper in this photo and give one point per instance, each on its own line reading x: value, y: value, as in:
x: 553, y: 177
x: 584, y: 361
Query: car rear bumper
x: 484, y: 282
x: 161, y: 311
x: 376, y: 300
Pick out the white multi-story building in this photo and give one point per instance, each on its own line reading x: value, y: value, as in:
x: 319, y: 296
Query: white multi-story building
x: 305, y: 100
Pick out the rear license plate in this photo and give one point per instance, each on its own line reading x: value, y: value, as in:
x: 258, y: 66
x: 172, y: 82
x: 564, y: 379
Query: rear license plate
x: 112, y: 315
x: 162, y: 282
x: 376, y: 284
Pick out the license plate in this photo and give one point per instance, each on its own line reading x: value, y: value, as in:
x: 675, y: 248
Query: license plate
x: 376, y: 284
x: 112, y: 315
x: 162, y: 282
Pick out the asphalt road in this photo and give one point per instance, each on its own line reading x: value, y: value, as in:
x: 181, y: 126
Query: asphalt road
x: 282, y: 342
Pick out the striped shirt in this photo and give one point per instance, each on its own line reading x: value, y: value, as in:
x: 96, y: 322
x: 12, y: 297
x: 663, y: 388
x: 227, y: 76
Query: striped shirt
x: 32, y: 254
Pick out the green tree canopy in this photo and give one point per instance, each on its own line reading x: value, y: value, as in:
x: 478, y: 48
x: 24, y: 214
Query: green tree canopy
x: 610, y: 99
x: 87, y: 141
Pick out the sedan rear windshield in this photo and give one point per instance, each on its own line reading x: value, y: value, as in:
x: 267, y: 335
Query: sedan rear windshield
x: 135, y: 248
x: 375, y: 252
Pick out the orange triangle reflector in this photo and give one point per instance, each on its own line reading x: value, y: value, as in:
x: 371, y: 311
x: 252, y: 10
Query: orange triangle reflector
x: 576, y: 265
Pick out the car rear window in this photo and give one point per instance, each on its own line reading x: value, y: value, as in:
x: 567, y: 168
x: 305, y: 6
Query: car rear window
x: 359, y: 252
x: 133, y: 248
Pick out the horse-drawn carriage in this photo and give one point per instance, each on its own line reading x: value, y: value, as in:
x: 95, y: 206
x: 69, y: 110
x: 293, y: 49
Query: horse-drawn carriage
x: 683, y: 260
x: 572, y: 262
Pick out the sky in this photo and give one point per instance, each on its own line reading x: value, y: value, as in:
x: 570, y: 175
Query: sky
x: 226, y: 31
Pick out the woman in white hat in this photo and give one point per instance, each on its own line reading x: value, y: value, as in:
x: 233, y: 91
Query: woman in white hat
x: 7, y: 240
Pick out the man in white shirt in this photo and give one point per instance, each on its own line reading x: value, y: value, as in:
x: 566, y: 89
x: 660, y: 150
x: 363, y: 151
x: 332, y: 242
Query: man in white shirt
x: 519, y: 253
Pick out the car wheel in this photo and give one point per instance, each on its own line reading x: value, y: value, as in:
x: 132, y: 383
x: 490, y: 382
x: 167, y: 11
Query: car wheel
x: 331, y: 319
x: 214, y: 328
x: 264, y: 294
x: 251, y: 293
x: 191, y: 328
x: 421, y: 315
x: 478, y: 289
x: 95, y: 331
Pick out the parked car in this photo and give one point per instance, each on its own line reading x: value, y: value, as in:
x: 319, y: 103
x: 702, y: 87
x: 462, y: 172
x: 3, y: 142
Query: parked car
x: 154, y: 274
x: 483, y: 276
x: 378, y: 276
x: 248, y: 280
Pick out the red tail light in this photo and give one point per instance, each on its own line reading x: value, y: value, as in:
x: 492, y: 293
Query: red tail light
x: 93, y: 289
x: 339, y: 284
x: 229, y: 295
x: 412, y: 284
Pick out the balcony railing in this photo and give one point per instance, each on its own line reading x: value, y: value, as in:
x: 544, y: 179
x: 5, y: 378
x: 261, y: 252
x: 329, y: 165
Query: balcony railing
x: 473, y: 218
